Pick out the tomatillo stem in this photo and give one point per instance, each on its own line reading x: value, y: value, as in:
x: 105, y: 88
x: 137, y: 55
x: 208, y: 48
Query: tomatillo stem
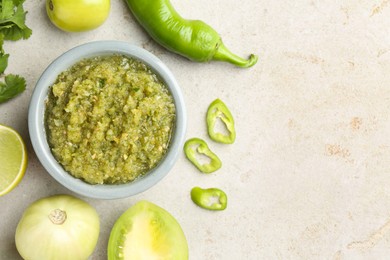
x: 57, y: 217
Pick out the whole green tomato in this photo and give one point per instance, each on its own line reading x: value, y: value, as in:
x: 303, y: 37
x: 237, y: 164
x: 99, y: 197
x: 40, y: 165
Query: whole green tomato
x: 77, y: 15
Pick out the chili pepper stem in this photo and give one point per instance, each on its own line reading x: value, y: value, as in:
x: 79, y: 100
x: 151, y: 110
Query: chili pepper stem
x: 224, y: 54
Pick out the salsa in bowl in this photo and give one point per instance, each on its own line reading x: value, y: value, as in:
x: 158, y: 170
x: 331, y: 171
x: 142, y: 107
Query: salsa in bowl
x: 107, y: 119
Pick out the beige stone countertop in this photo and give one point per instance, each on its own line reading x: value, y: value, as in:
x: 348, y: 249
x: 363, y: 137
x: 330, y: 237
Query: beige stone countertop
x: 309, y: 174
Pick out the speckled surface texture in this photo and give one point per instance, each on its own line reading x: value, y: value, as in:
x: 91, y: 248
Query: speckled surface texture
x: 309, y: 174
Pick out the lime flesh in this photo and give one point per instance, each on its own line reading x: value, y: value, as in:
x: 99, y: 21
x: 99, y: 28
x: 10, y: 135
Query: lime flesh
x: 13, y: 159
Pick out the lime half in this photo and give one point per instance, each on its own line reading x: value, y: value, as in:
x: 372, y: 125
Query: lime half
x: 13, y: 159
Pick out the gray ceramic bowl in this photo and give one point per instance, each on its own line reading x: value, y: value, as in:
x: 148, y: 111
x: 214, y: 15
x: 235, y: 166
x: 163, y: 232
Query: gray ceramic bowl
x: 38, y: 134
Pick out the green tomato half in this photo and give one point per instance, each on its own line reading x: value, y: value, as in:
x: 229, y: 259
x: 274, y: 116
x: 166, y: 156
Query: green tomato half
x: 60, y: 227
x: 77, y: 15
x: 146, y: 231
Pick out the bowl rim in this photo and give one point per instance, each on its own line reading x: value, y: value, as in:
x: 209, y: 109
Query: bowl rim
x: 37, y: 128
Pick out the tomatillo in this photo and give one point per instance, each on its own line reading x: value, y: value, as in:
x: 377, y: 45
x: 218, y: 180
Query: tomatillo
x: 77, y: 15
x: 58, y: 227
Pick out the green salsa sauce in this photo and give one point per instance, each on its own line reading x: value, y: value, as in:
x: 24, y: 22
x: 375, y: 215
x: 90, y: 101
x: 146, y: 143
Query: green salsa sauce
x: 109, y: 119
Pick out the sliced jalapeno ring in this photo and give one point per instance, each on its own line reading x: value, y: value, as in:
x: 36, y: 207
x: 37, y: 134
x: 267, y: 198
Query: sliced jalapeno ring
x: 194, y: 148
x: 211, y: 198
x: 219, y: 111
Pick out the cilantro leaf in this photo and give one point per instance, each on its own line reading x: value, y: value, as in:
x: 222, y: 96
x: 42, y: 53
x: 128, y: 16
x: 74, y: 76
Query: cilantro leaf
x: 3, y: 56
x: 11, y: 87
x: 12, y: 27
x: 3, y: 62
x: 12, y: 20
x: 7, y: 9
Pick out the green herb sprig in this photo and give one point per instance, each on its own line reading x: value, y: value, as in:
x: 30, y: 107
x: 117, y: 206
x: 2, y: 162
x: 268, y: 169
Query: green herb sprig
x: 12, y: 28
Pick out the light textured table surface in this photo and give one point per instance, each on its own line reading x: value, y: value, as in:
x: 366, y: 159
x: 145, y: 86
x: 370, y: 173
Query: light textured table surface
x: 309, y: 174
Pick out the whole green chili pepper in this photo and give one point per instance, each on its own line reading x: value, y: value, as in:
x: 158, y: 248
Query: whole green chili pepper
x: 211, y: 198
x: 193, y: 39
x: 218, y: 110
x: 196, y: 147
